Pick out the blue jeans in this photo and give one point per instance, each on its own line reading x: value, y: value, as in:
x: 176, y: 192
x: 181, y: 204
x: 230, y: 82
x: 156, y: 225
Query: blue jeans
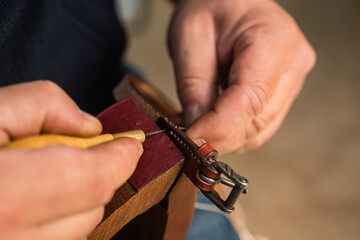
x: 209, y: 223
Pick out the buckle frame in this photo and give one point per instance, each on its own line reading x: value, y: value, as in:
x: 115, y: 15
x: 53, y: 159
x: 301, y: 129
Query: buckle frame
x: 203, y: 169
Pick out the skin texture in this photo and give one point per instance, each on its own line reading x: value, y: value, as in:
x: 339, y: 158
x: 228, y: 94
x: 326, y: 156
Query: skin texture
x: 255, y: 51
x: 252, y: 48
x: 55, y: 192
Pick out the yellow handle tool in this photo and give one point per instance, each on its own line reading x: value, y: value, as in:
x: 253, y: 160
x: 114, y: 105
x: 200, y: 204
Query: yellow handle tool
x: 45, y: 140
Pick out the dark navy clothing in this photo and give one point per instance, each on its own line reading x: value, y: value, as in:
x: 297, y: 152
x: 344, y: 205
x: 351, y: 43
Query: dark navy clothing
x: 75, y: 43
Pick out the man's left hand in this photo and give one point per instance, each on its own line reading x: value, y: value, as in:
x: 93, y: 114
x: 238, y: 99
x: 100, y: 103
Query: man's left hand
x: 255, y: 50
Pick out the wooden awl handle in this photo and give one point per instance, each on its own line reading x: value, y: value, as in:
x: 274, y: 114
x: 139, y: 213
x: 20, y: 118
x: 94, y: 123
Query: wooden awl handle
x: 45, y: 140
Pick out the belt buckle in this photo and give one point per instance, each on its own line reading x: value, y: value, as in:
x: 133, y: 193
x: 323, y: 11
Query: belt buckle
x: 203, y: 169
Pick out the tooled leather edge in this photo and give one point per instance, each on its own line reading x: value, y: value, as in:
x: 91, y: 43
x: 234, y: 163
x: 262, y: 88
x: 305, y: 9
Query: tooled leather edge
x: 192, y: 160
x: 109, y: 226
x: 126, y: 89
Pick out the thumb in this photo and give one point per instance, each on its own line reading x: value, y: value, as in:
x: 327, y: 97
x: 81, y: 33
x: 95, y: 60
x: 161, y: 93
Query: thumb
x: 192, y: 47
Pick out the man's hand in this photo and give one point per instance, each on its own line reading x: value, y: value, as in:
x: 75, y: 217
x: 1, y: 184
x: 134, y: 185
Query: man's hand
x: 252, y: 48
x: 55, y: 192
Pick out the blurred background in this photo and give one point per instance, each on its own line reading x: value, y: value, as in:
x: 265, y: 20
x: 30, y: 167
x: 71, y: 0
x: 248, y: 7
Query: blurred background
x: 304, y: 181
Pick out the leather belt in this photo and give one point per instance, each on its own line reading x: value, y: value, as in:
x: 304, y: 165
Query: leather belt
x: 201, y: 165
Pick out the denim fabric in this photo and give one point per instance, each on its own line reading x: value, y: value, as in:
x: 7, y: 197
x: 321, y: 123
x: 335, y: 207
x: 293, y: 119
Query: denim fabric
x: 209, y: 223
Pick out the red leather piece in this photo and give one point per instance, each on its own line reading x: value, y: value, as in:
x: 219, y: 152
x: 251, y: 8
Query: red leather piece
x: 160, y: 153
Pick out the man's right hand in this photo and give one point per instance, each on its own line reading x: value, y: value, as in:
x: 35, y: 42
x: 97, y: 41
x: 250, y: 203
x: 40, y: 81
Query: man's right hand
x: 55, y: 192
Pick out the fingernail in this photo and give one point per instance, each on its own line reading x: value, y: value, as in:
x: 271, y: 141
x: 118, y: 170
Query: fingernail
x: 192, y: 113
x: 141, y: 150
x: 91, y: 125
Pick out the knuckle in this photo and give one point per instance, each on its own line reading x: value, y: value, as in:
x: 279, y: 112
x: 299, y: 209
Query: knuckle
x: 306, y: 57
x: 194, y: 88
x: 47, y: 86
x: 296, y: 38
x: 292, y: 30
x: 51, y: 90
x: 290, y: 33
x: 257, y: 98
x: 311, y: 57
x: 254, y: 143
x: 288, y: 26
x: 259, y: 124
x: 190, y: 83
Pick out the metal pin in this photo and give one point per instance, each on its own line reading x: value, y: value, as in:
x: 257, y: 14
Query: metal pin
x: 154, y: 133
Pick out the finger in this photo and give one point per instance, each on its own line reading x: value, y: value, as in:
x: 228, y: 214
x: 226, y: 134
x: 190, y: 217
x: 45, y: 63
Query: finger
x: 58, y: 181
x: 264, y: 125
x: 42, y: 106
x: 192, y: 45
x: 233, y: 110
x: 252, y: 81
x: 267, y: 123
x: 259, y: 130
x: 267, y: 132
x: 71, y: 227
x: 4, y: 137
